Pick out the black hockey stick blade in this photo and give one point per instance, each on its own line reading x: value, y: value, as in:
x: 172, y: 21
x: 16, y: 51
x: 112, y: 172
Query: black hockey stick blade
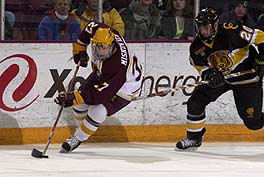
x: 38, y: 154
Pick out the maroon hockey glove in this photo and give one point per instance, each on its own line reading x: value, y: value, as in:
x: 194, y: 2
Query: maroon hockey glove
x: 69, y: 98
x: 66, y: 98
x: 81, y: 56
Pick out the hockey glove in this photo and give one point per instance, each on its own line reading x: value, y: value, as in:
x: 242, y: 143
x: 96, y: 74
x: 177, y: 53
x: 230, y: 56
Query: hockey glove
x: 80, y: 54
x: 69, y: 98
x: 259, y: 64
x: 215, y: 79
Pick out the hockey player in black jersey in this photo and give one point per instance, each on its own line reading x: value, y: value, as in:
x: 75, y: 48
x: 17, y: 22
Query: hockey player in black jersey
x: 216, y: 51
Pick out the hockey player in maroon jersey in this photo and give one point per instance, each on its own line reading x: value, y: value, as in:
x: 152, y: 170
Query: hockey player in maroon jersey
x: 115, y: 72
x: 219, y: 50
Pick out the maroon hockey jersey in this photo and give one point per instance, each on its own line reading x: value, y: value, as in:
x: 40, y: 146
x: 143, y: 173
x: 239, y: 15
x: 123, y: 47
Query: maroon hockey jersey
x: 120, y: 74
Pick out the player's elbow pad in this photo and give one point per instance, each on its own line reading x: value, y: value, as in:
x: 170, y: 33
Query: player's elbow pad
x: 77, y: 48
x: 80, y: 54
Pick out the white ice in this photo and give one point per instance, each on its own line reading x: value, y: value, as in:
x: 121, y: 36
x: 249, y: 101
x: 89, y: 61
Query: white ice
x: 135, y: 160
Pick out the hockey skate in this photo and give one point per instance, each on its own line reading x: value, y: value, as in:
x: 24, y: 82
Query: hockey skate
x: 70, y: 144
x: 190, y: 144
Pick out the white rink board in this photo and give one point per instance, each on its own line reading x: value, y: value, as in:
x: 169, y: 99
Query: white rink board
x: 167, y: 60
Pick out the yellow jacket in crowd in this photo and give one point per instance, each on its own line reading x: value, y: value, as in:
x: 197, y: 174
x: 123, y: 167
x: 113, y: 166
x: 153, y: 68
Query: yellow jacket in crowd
x: 110, y: 16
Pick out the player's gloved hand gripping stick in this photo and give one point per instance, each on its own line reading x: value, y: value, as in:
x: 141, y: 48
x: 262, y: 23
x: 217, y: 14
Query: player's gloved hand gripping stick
x: 38, y: 154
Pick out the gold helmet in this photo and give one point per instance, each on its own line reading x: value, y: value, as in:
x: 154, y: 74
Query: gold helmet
x: 102, y: 43
x: 103, y: 36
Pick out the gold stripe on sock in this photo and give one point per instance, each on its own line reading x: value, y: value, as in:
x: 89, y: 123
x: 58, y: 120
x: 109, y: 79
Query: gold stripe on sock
x: 86, y: 130
x: 80, y: 118
x: 192, y: 126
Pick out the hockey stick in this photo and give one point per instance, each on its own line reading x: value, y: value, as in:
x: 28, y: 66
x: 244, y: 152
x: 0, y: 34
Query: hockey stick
x: 229, y: 76
x: 160, y: 93
x: 38, y: 154
x: 165, y: 92
x: 241, y: 73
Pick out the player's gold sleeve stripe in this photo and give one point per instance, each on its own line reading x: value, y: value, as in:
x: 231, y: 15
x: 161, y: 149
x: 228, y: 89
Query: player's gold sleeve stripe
x: 77, y: 47
x: 240, y: 55
x: 86, y: 130
x: 259, y: 37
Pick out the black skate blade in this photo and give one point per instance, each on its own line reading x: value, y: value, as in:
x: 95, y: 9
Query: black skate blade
x: 38, y: 154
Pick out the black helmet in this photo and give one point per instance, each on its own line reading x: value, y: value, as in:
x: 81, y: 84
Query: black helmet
x: 205, y: 17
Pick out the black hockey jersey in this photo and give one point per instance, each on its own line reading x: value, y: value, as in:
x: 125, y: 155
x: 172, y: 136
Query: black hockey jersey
x: 232, y: 50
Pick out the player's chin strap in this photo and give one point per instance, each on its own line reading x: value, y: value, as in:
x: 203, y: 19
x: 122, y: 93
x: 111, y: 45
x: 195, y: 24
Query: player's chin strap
x: 165, y: 92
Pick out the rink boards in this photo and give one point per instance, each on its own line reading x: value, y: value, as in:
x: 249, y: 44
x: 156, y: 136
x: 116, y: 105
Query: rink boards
x: 132, y: 133
x: 31, y: 74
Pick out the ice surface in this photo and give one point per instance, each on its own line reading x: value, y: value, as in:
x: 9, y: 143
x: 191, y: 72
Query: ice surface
x: 135, y: 160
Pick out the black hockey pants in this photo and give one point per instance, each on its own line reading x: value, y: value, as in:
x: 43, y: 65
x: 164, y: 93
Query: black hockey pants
x: 248, y: 100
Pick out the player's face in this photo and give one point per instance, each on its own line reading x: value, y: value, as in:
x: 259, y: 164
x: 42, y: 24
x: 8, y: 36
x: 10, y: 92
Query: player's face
x: 102, y: 52
x: 206, y: 30
x: 240, y: 11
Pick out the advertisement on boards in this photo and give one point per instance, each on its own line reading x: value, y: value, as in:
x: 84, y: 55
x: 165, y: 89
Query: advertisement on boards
x: 31, y: 75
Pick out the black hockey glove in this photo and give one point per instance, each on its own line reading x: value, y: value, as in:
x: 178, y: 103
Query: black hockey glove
x: 215, y: 79
x: 83, y: 57
x: 66, y: 98
x: 259, y: 64
x: 69, y: 98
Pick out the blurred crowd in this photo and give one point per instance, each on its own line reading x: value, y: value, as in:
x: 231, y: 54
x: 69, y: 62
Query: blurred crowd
x: 133, y: 19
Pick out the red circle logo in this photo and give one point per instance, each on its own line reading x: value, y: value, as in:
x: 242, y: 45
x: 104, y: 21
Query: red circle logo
x: 17, y: 77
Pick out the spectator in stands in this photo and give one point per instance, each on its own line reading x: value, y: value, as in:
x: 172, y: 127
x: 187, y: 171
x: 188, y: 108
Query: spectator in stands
x: 177, y: 20
x: 238, y: 15
x: 59, y: 24
x: 142, y: 20
x: 88, y: 12
x: 10, y: 19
